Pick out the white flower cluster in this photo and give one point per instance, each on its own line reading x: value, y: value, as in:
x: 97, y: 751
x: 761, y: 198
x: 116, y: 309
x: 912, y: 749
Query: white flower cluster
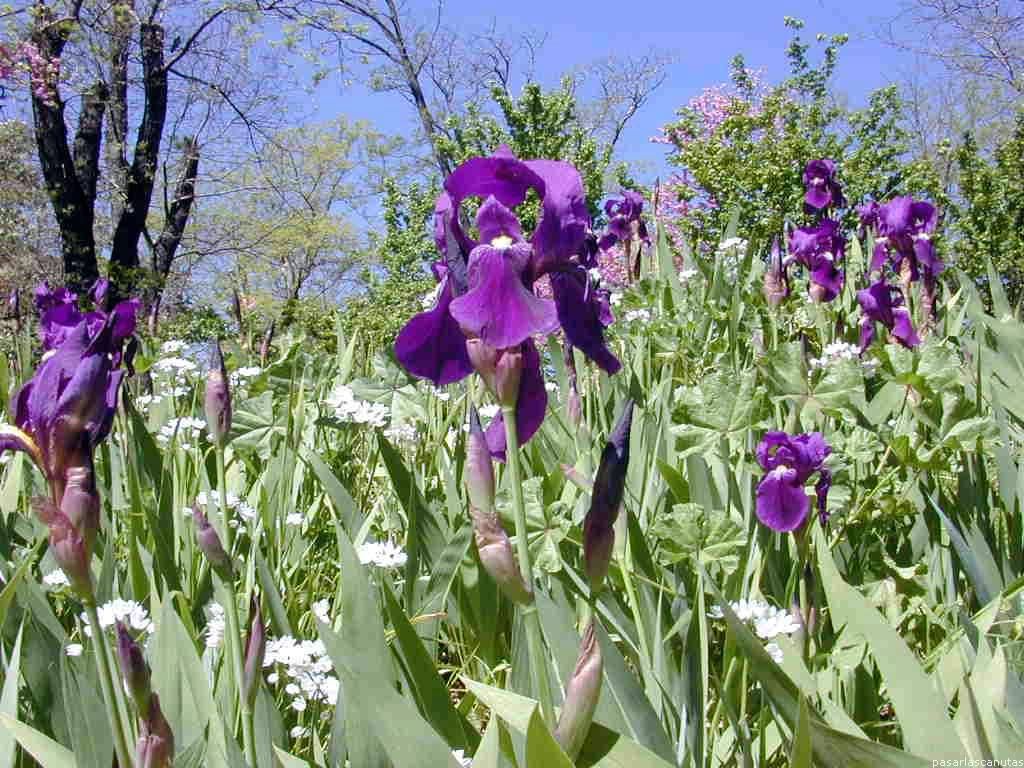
x: 462, y: 759
x: 768, y: 621
x: 685, y: 275
x: 128, y: 612
x: 615, y: 298
x: 215, y: 623
x: 307, y: 669
x: 240, y: 378
x: 243, y: 508
x: 635, y: 315
x: 382, y: 554
x: 401, y: 433
x: 840, y: 350
x: 173, y: 347
x: 347, y: 407
x: 731, y: 251
x: 489, y: 411
x: 294, y: 518
x: 56, y: 579
x: 321, y: 609
x: 184, y: 430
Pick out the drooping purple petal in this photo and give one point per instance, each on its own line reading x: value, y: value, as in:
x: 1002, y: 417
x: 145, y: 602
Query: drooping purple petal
x: 530, y: 407
x: 903, y: 328
x: 432, y: 346
x: 564, y: 220
x: 499, y: 308
x: 583, y: 312
x: 782, y: 503
x: 822, y: 188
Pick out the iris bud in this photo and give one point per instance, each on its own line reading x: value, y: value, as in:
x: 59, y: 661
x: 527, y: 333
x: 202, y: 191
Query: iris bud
x: 67, y: 545
x: 255, y: 648
x: 218, y: 398
x: 581, y: 695
x: 155, y: 746
x: 497, y: 556
x: 479, y: 470
x: 81, y: 502
x: 605, y: 501
x: 484, y: 359
x: 134, y: 670
x: 209, y: 545
x: 507, y: 375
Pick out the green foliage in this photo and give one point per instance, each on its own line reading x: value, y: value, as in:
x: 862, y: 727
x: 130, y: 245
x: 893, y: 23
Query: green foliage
x: 990, y: 211
x: 194, y: 324
x: 743, y: 147
x: 399, y: 278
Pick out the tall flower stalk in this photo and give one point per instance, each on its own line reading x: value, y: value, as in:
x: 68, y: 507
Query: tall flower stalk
x: 217, y: 405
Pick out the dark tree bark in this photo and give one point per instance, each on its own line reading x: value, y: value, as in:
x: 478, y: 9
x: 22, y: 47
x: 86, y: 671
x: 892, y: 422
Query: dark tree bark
x: 72, y: 203
x: 141, y: 176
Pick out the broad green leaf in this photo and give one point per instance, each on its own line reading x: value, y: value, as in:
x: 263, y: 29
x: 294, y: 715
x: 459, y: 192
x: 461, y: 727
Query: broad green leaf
x: 179, y: 678
x: 289, y: 761
x: 927, y: 728
x: 541, y: 747
x: 9, y: 702
x: 800, y: 754
x: 47, y: 752
x: 87, y: 718
x: 431, y: 694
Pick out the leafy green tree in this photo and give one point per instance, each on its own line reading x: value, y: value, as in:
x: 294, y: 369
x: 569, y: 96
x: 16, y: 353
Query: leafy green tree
x: 990, y: 211
x: 744, y: 146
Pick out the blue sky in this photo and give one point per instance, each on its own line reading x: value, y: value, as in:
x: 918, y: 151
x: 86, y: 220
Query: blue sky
x: 702, y: 36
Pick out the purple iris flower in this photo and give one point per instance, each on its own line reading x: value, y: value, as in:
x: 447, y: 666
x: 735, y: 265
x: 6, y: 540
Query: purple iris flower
x: 625, y: 219
x: 59, y: 314
x: 868, y: 216
x: 904, y: 238
x: 782, y: 502
x: 63, y: 412
x: 823, y: 190
x: 883, y: 303
x: 486, y: 286
x: 820, y: 248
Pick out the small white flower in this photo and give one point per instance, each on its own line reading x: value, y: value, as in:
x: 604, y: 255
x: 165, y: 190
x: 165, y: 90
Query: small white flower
x: 686, y: 274
x: 444, y: 397
x: 298, y: 732
x: 774, y: 651
x: 634, y: 315
x: 299, y: 704
x: 551, y: 386
x: 172, y: 347
x: 73, y: 649
x: 272, y: 678
x: 215, y: 623
x: 462, y: 759
x: 615, y: 298
x: 127, y: 612
x: 294, y: 518
x: 56, y: 579
x: 322, y: 610
x: 489, y: 411
x: 401, y: 433
x: 292, y: 689
x: 383, y: 554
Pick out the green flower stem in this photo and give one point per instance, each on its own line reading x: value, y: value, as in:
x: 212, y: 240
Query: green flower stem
x: 234, y: 633
x: 531, y: 619
x: 103, y: 668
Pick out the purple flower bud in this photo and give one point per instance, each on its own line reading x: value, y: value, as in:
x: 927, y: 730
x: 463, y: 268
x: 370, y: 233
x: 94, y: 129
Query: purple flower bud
x: 155, y: 746
x: 209, y: 544
x: 605, y: 501
x: 479, y: 471
x: 776, y: 281
x: 255, y: 648
x: 573, y: 406
x: 134, y: 670
x: 218, y: 398
x: 81, y: 502
x: 581, y: 695
x: 507, y: 375
x: 484, y: 360
x: 67, y: 546
x: 497, y: 556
